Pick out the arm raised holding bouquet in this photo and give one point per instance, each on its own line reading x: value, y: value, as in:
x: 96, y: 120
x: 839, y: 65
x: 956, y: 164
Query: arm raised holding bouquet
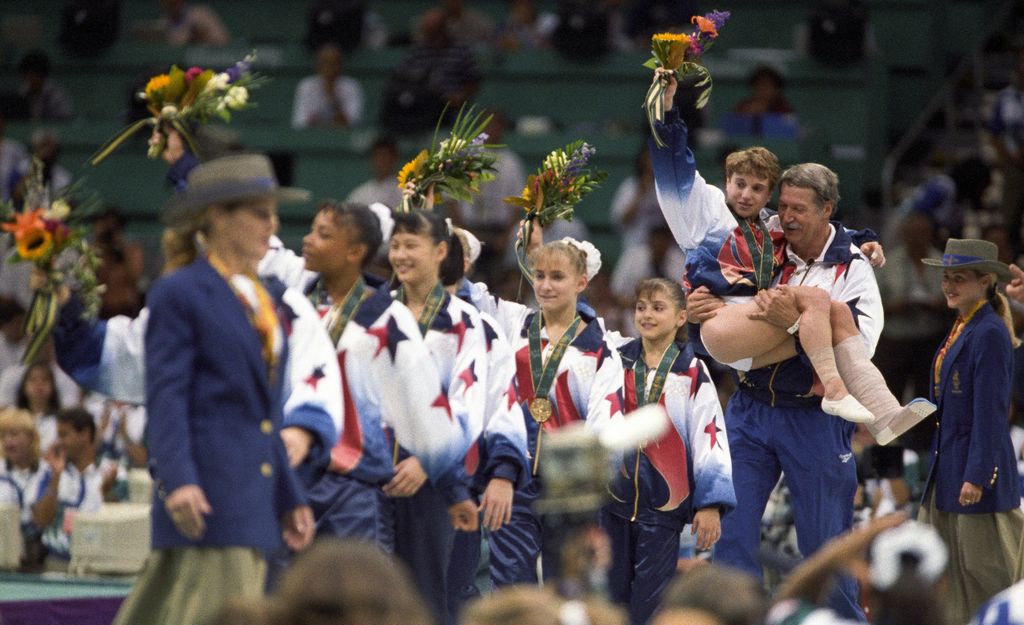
x: 454, y: 167
x: 677, y: 54
x: 180, y: 99
x: 553, y: 192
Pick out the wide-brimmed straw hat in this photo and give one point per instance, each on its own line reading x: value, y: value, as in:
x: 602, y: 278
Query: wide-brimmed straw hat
x: 971, y: 254
x: 228, y: 179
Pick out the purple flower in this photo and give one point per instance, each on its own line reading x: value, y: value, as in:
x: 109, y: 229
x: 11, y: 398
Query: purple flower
x: 718, y: 17
x: 480, y: 139
x: 238, y: 70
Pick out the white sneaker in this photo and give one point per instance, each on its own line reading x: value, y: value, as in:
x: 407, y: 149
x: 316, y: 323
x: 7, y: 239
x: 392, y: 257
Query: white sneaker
x: 848, y: 408
x: 886, y: 431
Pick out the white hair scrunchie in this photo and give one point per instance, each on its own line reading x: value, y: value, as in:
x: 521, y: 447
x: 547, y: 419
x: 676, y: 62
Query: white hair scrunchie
x: 450, y: 225
x: 912, y: 538
x: 474, y: 245
x: 591, y: 255
x: 387, y: 222
x: 573, y: 613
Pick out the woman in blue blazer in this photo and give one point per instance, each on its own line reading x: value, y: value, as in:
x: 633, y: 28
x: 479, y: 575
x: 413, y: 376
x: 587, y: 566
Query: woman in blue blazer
x: 215, y: 362
x: 971, y: 495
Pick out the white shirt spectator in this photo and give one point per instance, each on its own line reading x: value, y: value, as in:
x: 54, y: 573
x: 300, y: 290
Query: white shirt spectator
x: 635, y: 264
x: 18, y: 485
x: 385, y: 191
x: 488, y: 209
x: 648, y: 214
x: 79, y: 491
x: 10, y: 379
x: 313, y: 107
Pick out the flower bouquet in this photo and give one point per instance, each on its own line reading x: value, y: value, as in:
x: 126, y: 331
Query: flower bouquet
x: 553, y: 192
x: 179, y: 98
x: 679, y: 54
x: 454, y: 166
x: 42, y: 233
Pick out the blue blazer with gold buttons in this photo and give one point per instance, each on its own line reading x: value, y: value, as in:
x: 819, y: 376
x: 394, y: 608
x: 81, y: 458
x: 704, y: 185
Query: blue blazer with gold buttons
x: 214, y: 413
x: 972, y: 441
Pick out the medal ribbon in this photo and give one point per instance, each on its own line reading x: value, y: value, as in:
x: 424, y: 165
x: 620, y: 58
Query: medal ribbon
x: 430, y: 308
x: 342, y: 314
x: 660, y: 375
x: 543, y: 374
x: 763, y: 262
x: 263, y: 317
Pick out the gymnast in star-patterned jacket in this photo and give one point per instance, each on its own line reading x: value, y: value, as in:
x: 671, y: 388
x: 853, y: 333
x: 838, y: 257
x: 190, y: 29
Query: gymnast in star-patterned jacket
x: 583, y: 385
x: 379, y: 347
x: 497, y: 464
x: 683, y: 477
x: 418, y: 247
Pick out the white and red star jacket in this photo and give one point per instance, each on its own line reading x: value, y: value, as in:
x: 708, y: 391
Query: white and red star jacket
x: 385, y: 382
x: 587, y: 385
x: 108, y: 357
x: 689, y: 468
x: 391, y: 393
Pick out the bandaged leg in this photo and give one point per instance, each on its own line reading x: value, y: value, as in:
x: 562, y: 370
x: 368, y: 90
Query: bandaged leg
x: 866, y: 383
x: 816, y: 338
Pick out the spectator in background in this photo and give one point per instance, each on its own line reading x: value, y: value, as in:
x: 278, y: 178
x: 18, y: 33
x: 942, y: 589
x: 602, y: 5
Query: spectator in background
x: 524, y: 29
x: 121, y: 266
x: 38, y: 394
x: 120, y: 432
x: 74, y: 482
x: 12, y: 332
x: 1006, y: 133
x: 46, y: 148
x: 437, y: 71
x: 657, y: 257
x: 383, y: 187
x: 765, y: 111
x: 916, y: 318
x: 328, y: 98
x: 21, y: 472
x: 642, y: 18
x: 12, y: 154
x: 12, y: 380
x: 465, y: 25
x: 45, y: 100
x: 192, y: 25
x: 491, y: 219
x: 635, y: 206
x: 766, y: 96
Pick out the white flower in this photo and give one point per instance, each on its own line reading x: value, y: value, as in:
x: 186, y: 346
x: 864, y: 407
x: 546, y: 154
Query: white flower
x: 58, y: 210
x: 219, y: 82
x: 168, y: 111
x: 236, y: 97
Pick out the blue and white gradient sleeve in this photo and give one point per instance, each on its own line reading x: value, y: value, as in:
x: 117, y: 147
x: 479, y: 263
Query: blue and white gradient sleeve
x: 312, y: 387
x: 703, y: 427
x: 693, y: 209
x: 504, y: 425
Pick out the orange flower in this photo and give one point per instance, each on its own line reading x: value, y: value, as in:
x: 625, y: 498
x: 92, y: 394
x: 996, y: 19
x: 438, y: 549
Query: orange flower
x: 25, y: 224
x: 705, y: 25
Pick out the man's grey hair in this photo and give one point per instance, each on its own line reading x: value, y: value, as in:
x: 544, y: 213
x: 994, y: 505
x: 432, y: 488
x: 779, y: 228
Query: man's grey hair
x: 816, y: 177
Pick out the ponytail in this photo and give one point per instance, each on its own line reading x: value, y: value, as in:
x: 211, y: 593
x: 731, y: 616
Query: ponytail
x: 179, y: 248
x: 1002, y: 307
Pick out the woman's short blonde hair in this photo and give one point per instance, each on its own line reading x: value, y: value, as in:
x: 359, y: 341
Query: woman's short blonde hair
x: 18, y: 420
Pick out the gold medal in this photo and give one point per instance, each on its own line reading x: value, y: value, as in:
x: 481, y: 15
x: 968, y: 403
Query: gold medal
x: 540, y: 409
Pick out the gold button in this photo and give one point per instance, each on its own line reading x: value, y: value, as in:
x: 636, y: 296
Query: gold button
x: 266, y: 469
x: 266, y: 426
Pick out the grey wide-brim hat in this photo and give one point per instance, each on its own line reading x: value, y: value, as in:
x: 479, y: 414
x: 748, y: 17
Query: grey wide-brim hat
x: 971, y: 254
x: 228, y: 179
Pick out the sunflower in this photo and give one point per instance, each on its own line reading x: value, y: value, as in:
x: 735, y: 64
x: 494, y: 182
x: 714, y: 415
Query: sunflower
x: 411, y: 170
x: 670, y: 37
x: 155, y: 84
x: 35, y: 245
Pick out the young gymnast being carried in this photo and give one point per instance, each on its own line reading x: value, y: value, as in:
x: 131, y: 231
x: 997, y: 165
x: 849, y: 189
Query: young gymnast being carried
x: 736, y: 256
